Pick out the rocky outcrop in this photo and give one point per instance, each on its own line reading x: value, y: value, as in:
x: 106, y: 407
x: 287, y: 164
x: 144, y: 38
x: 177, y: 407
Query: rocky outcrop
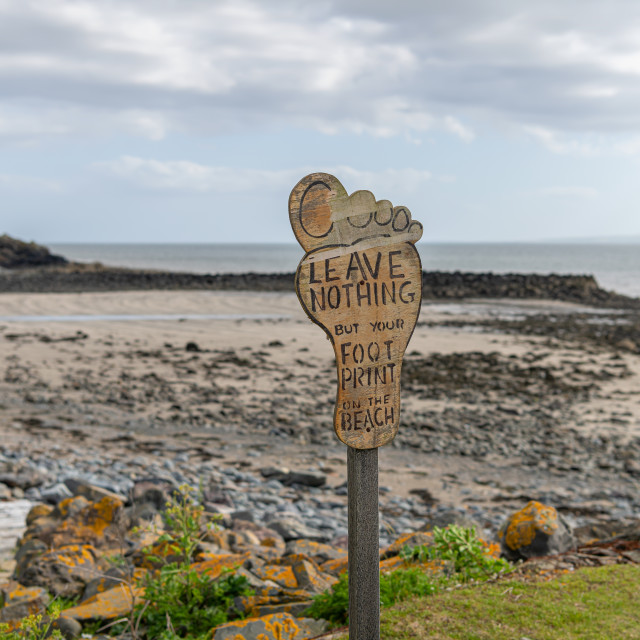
x: 16, y: 254
x: 40, y: 271
x: 436, y: 285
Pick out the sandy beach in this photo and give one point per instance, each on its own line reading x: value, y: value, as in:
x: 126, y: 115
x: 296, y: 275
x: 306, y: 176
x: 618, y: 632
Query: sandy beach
x: 221, y: 373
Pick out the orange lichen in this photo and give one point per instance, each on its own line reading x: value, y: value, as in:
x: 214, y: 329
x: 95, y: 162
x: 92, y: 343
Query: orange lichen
x: 417, y: 538
x: 522, y: 527
x: 215, y: 565
x: 391, y: 563
x: 86, y: 522
x: 38, y: 511
x: 283, y: 575
x: 113, y: 603
x: 335, y: 567
x: 276, y: 626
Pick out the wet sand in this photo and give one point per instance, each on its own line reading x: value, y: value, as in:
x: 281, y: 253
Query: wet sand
x: 491, y: 414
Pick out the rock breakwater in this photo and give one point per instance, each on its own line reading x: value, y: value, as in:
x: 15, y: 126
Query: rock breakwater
x: 72, y: 278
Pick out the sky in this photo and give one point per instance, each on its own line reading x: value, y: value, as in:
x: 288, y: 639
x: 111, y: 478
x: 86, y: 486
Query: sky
x: 192, y: 120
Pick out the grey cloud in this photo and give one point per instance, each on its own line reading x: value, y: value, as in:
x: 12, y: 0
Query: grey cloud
x: 381, y: 67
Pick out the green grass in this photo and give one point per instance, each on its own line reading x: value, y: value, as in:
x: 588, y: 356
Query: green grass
x: 469, y: 559
x: 591, y: 604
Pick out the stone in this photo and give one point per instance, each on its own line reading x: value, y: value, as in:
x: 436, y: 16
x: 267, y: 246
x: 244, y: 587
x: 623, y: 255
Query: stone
x: 626, y: 344
x: 309, y: 576
x: 534, y: 531
x: 278, y: 626
x: 111, y: 578
x: 38, y: 511
x: 55, y: 493
x: 294, y: 608
x: 157, y: 491
x: 114, y: 603
x: 91, y: 492
x: 215, y: 565
x: 27, y: 551
x: 5, y: 492
x: 292, y: 528
x: 20, y: 601
x: 276, y: 473
x: 317, y: 550
x: 244, y: 514
x: 335, y: 567
x: 68, y: 627
x: 417, y: 539
x: 449, y: 517
x: 63, y: 572
x: 25, y: 479
x: 306, y: 478
x: 280, y: 574
x: 82, y: 522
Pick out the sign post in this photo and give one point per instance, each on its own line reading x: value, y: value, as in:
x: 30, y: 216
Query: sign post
x: 361, y: 281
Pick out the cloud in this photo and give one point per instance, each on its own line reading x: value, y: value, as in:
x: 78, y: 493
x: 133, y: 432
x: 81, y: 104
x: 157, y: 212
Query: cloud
x: 185, y: 176
x: 455, y: 126
x: 563, y: 145
x: 182, y: 175
x: 568, y: 192
x: 372, y: 68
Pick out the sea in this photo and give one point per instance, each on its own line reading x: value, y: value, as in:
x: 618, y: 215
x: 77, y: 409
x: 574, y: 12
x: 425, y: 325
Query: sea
x: 615, y: 266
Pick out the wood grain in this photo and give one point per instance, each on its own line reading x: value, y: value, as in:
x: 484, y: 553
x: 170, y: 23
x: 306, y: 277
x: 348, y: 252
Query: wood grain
x: 361, y: 281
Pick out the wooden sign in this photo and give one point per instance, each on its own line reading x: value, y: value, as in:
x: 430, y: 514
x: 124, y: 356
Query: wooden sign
x: 361, y: 281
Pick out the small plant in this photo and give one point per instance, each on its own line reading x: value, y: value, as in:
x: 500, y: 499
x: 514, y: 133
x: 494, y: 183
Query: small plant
x: 179, y: 602
x: 35, y: 627
x: 472, y: 558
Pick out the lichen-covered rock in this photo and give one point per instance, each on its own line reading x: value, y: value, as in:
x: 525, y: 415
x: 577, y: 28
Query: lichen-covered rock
x: 297, y: 571
x: 235, y: 541
x: 17, y: 601
x: 309, y: 576
x: 279, y: 626
x: 112, y: 577
x: 536, y: 530
x: 335, y: 567
x: 38, y: 511
x: 63, y: 572
x: 116, y: 602
x: 318, y: 551
x: 280, y: 574
x: 215, y: 565
x: 76, y: 520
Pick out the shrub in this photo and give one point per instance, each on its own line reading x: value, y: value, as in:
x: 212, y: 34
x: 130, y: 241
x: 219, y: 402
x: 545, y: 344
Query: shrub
x: 469, y: 557
x: 35, y: 627
x: 178, y: 601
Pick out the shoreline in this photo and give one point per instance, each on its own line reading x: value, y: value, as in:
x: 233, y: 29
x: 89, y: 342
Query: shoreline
x: 436, y: 285
x: 504, y: 401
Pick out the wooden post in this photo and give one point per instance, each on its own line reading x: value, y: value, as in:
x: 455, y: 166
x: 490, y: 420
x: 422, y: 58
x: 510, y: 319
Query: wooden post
x: 364, y: 555
x: 361, y: 281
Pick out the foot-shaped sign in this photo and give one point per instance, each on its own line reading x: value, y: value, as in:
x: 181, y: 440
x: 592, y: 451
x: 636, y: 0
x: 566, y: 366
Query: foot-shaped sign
x: 361, y: 281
